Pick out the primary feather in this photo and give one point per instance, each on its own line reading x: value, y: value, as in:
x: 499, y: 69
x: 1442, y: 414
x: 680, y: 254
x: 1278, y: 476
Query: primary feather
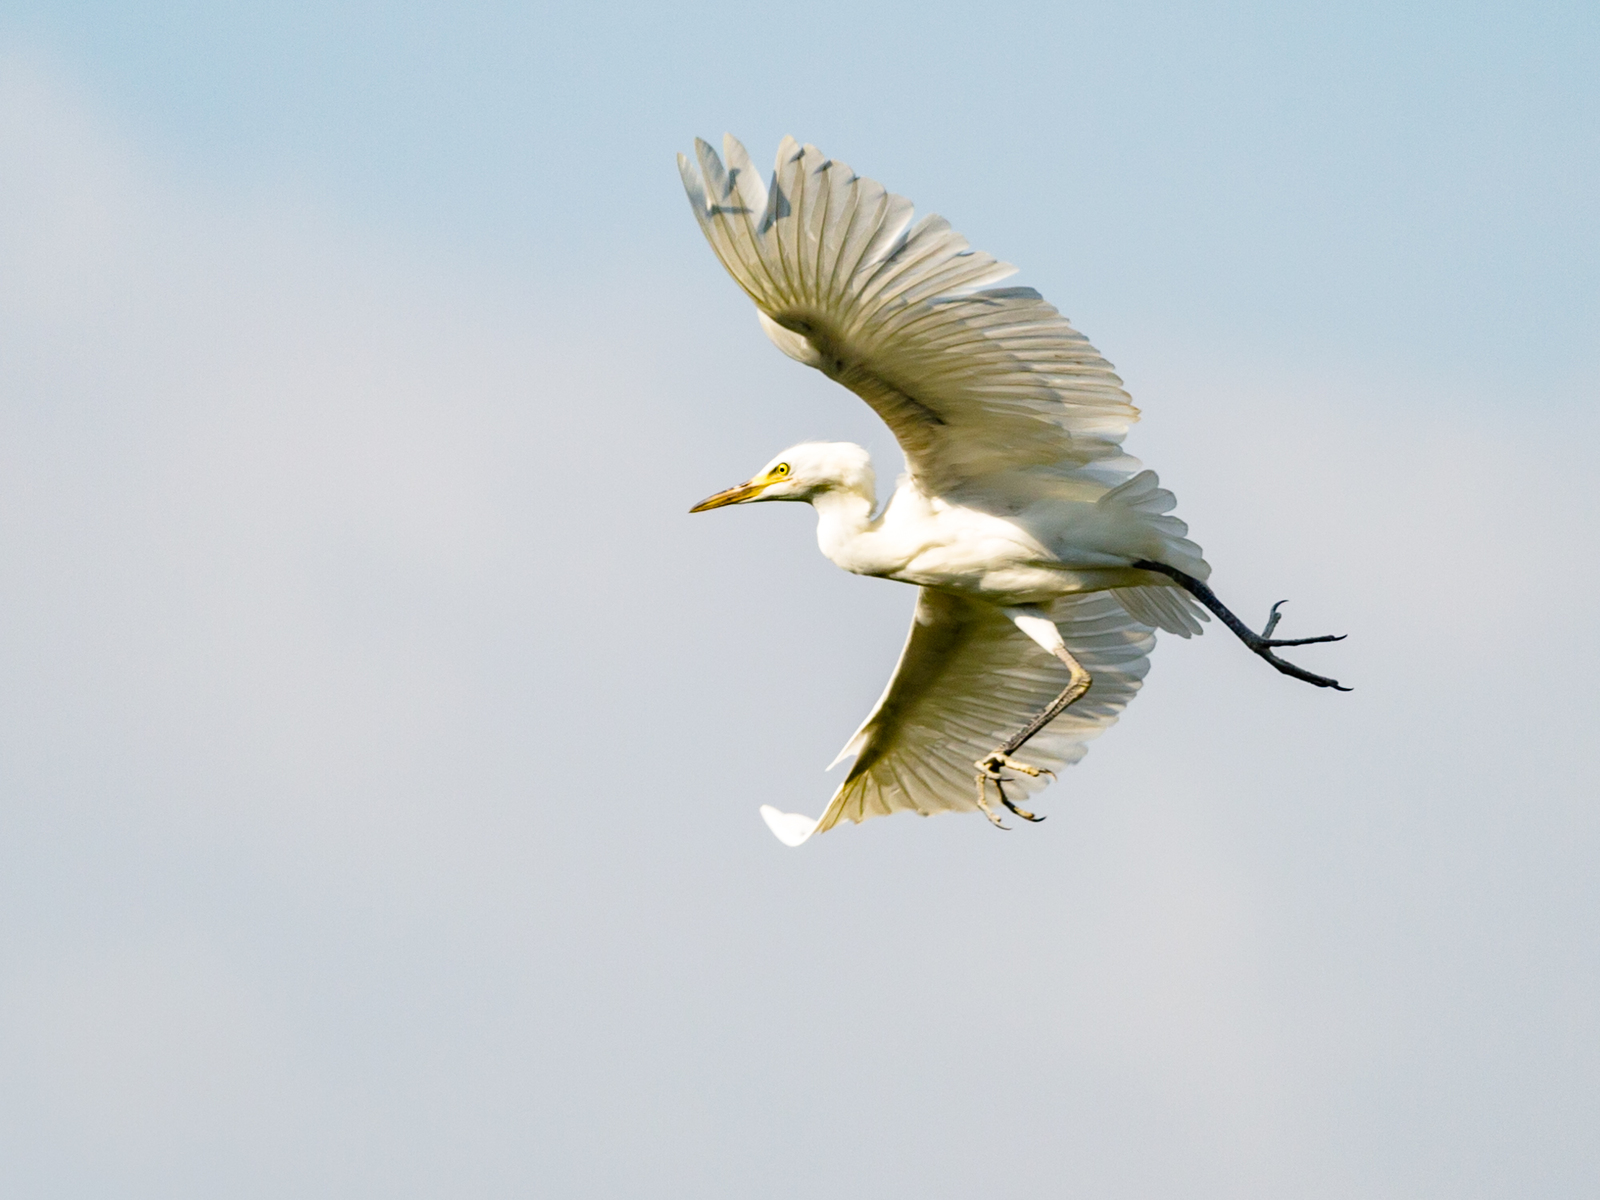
x: 973, y: 380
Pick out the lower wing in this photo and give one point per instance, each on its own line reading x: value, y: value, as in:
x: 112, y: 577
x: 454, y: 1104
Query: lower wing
x: 968, y: 679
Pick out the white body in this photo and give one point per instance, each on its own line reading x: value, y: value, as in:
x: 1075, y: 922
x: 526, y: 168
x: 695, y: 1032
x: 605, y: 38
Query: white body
x: 1040, y: 550
x: 1020, y: 517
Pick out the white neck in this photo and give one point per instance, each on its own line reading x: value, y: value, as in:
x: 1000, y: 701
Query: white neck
x: 844, y: 516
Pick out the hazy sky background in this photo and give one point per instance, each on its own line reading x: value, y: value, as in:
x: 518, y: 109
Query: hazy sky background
x: 381, y: 742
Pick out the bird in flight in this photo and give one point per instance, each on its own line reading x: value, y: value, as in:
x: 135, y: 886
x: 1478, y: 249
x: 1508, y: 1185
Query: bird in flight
x: 1045, y: 557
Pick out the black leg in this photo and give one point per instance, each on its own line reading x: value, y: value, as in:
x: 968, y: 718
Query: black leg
x: 1262, y: 643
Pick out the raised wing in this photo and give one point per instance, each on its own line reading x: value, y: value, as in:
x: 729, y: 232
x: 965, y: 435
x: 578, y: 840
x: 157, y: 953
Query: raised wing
x: 968, y: 679
x: 972, y: 380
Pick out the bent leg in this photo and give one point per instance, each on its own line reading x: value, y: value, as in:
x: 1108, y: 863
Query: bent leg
x: 1043, y: 631
x: 1261, y: 643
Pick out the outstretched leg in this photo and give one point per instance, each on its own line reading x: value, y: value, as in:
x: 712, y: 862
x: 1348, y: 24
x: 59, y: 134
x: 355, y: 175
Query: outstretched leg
x: 1042, y: 630
x: 1261, y: 643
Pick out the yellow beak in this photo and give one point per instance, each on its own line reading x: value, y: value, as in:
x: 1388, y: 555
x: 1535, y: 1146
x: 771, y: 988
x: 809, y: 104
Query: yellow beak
x: 733, y: 495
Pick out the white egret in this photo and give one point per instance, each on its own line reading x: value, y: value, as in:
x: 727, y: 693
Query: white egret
x: 1045, y: 557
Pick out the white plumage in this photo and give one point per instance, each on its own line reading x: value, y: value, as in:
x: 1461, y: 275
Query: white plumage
x: 1019, y: 515
x: 966, y: 679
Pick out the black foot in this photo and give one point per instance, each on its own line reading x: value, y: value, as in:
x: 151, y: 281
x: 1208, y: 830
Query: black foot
x: 1262, y: 643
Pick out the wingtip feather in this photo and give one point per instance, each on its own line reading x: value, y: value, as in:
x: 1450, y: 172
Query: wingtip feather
x: 790, y: 828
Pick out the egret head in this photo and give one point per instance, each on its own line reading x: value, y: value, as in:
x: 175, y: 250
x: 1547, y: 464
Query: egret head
x: 804, y: 472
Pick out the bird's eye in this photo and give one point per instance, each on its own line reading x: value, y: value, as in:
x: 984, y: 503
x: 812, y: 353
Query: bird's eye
x: 781, y: 470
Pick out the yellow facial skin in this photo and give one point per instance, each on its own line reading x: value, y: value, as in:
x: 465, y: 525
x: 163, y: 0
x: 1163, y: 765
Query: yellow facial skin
x: 744, y: 491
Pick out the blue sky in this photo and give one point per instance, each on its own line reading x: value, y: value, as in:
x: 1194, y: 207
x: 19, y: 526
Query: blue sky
x: 381, y: 753
x: 1393, y: 177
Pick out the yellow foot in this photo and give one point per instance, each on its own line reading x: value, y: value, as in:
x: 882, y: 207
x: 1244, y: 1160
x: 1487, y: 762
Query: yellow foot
x: 1021, y: 812
x: 983, y: 801
x: 989, y: 771
x: 990, y: 767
